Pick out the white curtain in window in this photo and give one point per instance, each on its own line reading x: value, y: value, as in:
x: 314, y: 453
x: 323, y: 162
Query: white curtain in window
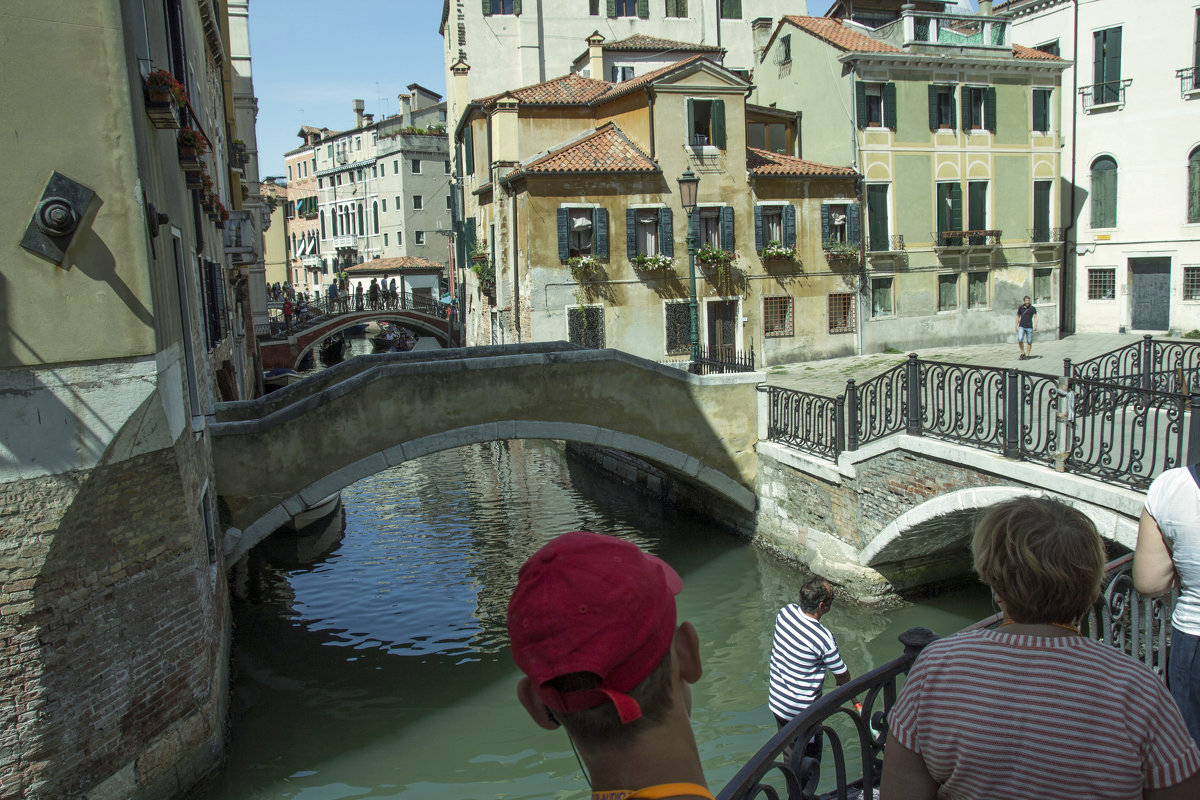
x: 710, y: 228
x: 773, y: 224
x: 647, y: 233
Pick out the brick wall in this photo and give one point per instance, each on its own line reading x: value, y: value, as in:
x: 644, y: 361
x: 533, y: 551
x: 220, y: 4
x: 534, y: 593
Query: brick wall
x: 113, y: 631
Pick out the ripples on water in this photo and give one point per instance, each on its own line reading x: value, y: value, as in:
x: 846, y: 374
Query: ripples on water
x: 382, y: 671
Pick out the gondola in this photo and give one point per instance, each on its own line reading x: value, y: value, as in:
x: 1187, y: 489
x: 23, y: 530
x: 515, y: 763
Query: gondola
x: 333, y: 350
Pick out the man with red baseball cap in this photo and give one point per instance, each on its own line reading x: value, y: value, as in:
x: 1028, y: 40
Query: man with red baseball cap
x: 592, y: 625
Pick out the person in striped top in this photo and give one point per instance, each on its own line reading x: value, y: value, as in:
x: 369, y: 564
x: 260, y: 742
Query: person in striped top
x: 803, y: 650
x: 1032, y: 708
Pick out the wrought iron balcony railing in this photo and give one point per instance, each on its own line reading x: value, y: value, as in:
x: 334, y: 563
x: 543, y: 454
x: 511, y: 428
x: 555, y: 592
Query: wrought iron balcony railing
x: 1187, y: 80
x: 976, y: 238
x: 1045, y: 235
x: 893, y: 243
x: 1110, y: 94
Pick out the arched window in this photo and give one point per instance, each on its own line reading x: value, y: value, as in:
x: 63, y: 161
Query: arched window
x: 323, y: 236
x: 1104, y: 193
x: 1194, y: 186
x: 361, y: 232
x: 375, y: 215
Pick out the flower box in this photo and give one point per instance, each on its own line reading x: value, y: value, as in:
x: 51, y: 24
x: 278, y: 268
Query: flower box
x: 165, y: 97
x: 652, y: 261
x: 777, y: 251
x: 583, y: 268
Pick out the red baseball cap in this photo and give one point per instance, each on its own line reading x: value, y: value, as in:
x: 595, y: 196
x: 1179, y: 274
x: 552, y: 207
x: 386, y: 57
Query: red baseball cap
x: 592, y: 603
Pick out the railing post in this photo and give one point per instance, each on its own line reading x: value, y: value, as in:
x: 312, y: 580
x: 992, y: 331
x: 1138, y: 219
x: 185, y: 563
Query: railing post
x: 912, y: 378
x: 1193, y: 440
x: 839, y: 428
x: 852, y: 417
x: 1147, y: 359
x: 1012, y: 410
x: 1064, y: 424
x: 1066, y: 367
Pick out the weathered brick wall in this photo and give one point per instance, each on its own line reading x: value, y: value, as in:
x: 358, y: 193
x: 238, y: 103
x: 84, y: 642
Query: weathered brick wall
x: 113, y: 631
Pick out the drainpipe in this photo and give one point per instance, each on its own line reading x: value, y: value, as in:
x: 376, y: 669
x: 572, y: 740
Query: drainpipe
x: 717, y: 5
x: 858, y: 194
x: 650, y: 105
x: 516, y: 279
x: 1066, y: 317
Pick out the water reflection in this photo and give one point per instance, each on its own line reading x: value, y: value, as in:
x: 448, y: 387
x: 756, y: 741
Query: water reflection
x: 382, y: 671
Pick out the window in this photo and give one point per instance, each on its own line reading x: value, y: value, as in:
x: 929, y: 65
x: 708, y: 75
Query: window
x: 447, y: 167
x: 374, y: 170
x: 449, y: 203
x: 399, y: 238
x: 289, y: 172
x: 774, y: 223
x: 1104, y: 193
x: 977, y: 208
x: 777, y: 316
x: 329, y: 153
x: 1041, y: 210
x: 619, y: 74
x: 585, y: 326
x: 834, y: 223
x: 384, y: 202
x: 881, y: 297
x: 770, y: 136
x: 1193, y: 183
x: 879, y: 229
x: 677, y: 8
x: 582, y: 231
x: 314, y: 164
x: 731, y: 9
x: 375, y: 216
x: 873, y: 101
x: 418, y: 202
x: 942, y: 108
x: 501, y: 7
x: 1050, y: 47
x: 678, y: 318
x: 785, y: 49
x: 706, y: 122
x: 416, y: 166
x: 947, y: 292
x: 1041, y: 110
x: 1106, y: 66
x: 979, y: 108
x: 397, y: 205
x: 1102, y: 283
x: 1191, y: 283
x: 629, y: 8
x: 395, y: 167
x: 469, y: 150
x: 320, y: 183
x: 358, y: 143
x: 385, y: 240
x: 649, y: 231
x: 977, y: 290
x: 1043, y: 285
x: 419, y: 237
x: 594, y: 8
x: 841, y: 312
x: 949, y: 212
x: 710, y: 226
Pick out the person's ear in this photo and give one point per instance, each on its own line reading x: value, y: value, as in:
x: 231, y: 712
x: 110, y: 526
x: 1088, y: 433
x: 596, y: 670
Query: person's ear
x: 687, y: 652
x: 527, y: 694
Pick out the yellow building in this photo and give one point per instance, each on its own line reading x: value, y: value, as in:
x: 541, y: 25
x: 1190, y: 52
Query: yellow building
x: 573, y: 227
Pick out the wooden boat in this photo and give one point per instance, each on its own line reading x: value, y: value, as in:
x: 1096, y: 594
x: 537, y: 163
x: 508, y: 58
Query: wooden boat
x: 333, y: 350
x: 280, y: 377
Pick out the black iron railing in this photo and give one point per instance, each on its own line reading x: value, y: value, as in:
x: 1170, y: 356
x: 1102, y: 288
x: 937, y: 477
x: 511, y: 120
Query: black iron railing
x: 722, y: 360
x: 975, y: 238
x: 852, y: 759
x: 1113, y: 431
x: 892, y: 243
x: 1109, y: 93
x: 1045, y: 235
x: 1187, y: 80
x: 322, y: 310
x: 1170, y: 366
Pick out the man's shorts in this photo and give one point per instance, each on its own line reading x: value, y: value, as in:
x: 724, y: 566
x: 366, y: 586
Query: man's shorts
x: 1025, y: 335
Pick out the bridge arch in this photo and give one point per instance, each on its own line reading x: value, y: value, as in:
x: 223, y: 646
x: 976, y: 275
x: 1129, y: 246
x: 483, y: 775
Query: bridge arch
x: 289, y: 352
x: 416, y: 322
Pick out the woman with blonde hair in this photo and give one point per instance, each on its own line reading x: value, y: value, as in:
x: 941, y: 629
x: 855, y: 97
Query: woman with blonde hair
x: 1032, y: 708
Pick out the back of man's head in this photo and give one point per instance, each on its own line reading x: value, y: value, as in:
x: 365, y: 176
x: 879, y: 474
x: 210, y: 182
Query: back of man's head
x: 591, y: 623
x: 815, y: 592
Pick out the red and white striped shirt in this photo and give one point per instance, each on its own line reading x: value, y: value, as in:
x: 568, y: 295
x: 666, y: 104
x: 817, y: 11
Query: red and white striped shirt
x: 1002, y: 715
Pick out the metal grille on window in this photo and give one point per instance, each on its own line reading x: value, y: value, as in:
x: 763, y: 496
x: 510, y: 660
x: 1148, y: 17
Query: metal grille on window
x: 977, y: 290
x: 679, y: 327
x: 947, y: 292
x: 777, y: 316
x: 841, y: 312
x: 1191, y: 283
x: 1102, y: 284
x: 585, y: 326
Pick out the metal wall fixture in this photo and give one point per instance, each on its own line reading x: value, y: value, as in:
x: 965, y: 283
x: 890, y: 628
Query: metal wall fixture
x: 59, y: 217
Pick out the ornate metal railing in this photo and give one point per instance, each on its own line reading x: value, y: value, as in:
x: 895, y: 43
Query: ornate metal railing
x: 854, y: 739
x: 1045, y: 235
x: 1170, y: 366
x: 1109, y: 93
x: 892, y: 243
x: 320, y: 311
x: 1112, y: 431
x: 1187, y: 80
x: 811, y: 423
x: 722, y: 360
x: 975, y: 238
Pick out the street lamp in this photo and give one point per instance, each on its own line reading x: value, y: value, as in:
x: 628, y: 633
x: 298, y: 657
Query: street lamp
x: 689, y: 184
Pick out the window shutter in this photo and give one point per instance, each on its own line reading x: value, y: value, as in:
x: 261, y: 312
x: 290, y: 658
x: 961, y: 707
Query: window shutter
x: 600, y: 232
x: 860, y: 103
x: 487, y: 8
x: 989, y: 108
x: 469, y: 149
x: 1041, y: 211
x: 956, y: 207
x: 612, y: 8
x: 630, y: 222
x: 933, y: 103
x: 953, y: 108
x: 643, y: 9
x: 853, y: 225
x: 789, y: 226
x: 964, y: 97
x: 758, y: 228
x: 727, y: 225
x: 889, y: 105
x: 718, y: 122
x: 517, y: 7
x: 977, y: 205
x: 564, y: 233
x: 694, y: 226
x: 666, y: 233
x: 1112, y: 58
x: 691, y: 122
x: 1040, y: 108
x: 825, y: 223
x: 1194, y: 187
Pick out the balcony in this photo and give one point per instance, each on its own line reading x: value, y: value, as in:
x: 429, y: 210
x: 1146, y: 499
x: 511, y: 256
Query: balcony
x: 1104, y: 96
x: 1187, y: 81
x: 1044, y: 236
x: 242, y: 242
x: 311, y: 261
x: 882, y: 245
x: 967, y: 240
x: 347, y: 241
x: 955, y: 30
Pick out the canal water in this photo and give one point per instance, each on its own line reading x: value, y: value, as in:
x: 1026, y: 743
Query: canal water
x: 381, y: 670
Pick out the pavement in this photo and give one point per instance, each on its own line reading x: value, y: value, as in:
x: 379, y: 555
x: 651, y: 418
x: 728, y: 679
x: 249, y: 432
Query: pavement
x: 829, y: 377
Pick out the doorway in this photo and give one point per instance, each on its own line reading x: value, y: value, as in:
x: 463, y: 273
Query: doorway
x: 722, y: 327
x: 1151, y: 290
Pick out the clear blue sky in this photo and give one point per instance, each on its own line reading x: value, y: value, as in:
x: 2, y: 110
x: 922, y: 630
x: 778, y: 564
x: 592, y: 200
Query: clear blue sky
x: 312, y: 58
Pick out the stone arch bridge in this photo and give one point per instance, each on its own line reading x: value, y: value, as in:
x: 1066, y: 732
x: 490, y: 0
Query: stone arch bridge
x: 290, y: 350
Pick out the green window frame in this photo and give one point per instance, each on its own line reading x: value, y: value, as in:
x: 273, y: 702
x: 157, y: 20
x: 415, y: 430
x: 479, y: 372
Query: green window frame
x: 979, y: 108
x: 947, y: 297
x: 949, y: 209
x: 875, y: 104
x: 1106, y: 66
x: 1193, y: 184
x: 942, y: 108
x: 878, y: 227
x: 598, y: 245
x: 977, y: 289
x: 731, y: 9
x: 705, y: 122
x: 1104, y: 192
x: 629, y: 8
x: 882, y: 297
x: 1041, y: 210
x: 501, y: 8
x: 677, y: 8
x: 1041, y: 110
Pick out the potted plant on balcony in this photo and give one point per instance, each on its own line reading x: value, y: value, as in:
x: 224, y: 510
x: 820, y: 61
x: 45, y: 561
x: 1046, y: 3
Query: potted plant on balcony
x: 777, y: 251
x: 191, y: 145
x: 645, y: 262
x: 221, y: 215
x: 485, y: 271
x: 583, y: 268
x: 165, y: 96
x: 716, y: 262
x: 840, y: 251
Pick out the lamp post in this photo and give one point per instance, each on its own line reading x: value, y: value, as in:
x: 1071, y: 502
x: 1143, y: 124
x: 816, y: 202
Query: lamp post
x: 689, y: 184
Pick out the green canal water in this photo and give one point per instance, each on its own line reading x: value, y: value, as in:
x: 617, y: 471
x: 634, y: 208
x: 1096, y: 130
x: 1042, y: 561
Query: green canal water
x: 382, y: 670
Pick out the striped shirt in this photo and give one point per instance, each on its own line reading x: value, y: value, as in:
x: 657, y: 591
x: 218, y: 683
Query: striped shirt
x: 1002, y: 715
x: 803, y: 650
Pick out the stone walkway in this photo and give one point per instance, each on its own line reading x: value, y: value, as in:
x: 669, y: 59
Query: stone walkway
x: 829, y: 377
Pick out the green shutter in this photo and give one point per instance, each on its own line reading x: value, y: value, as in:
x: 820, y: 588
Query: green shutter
x: 1194, y: 187
x: 758, y: 228
x: 727, y: 228
x: 1041, y: 109
x: 889, y: 105
x: 826, y: 223
x: 877, y: 217
x: 1104, y: 195
x: 517, y: 7
x: 630, y: 222
x: 717, y: 118
x: 956, y: 207
x: 989, y: 108
x: 860, y: 103
x: 487, y: 8
x: 789, y: 226
x: 612, y: 8
x: 691, y: 123
x: 977, y: 205
x: 1112, y: 60
x: 643, y: 9
x: 853, y: 225
x: 1041, y: 211
x: 666, y: 233
x: 941, y: 214
x: 953, y: 108
x: 600, y: 232
x: 933, y: 111
x: 564, y: 234
x: 469, y: 148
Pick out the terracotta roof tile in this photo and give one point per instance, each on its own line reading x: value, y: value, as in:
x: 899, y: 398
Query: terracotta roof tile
x: 640, y: 41
x: 605, y: 151
x: 567, y: 90
x: 1021, y: 51
x: 393, y: 264
x: 841, y: 36
x: 765, y: 164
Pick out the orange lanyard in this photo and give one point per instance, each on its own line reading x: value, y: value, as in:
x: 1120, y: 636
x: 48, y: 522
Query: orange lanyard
x: 659, y: 792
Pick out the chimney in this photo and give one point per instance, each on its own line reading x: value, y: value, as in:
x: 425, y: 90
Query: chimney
x: 368, y: 119
x: 504, y: 131
x: 760, y: 32
x: 985, y: 8
x: 405, y: 107
x: 596, y: 56
x: 461, y: 93
x: 359, y: 105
